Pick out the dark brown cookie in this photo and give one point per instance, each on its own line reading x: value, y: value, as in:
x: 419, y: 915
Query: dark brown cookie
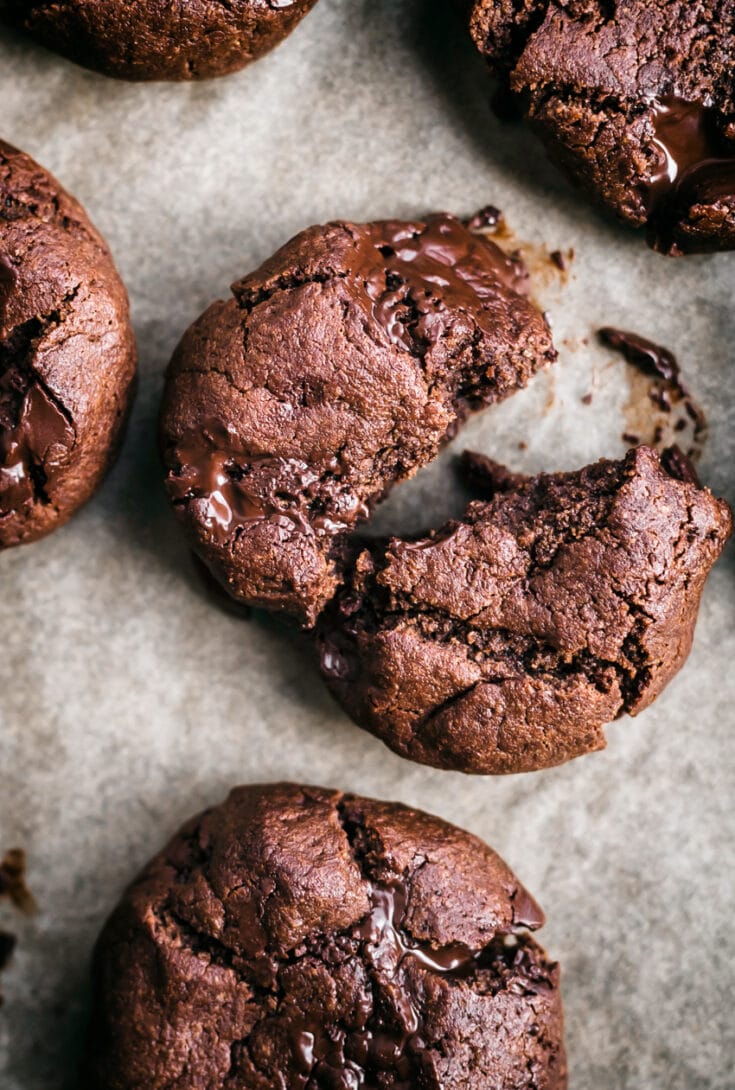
x: 299, y: 938
x: 635, y: 100
x: 67, y: 353
x: 338, y: 368
x: 505, y: 642
x: 158, y: 39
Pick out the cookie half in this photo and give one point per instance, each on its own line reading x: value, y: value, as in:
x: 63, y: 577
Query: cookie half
x: 506, y: 641
x: 335, y: 370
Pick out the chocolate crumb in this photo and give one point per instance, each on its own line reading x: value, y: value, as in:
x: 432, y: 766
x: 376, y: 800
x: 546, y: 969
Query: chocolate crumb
x: 678, y: 465
x: 652, y: 359
x: 488, y: 218
x: 667, y: 390
x: 13, y: 882
x: 631, y: 439
x: 586, y: 399
x: 557, y: 258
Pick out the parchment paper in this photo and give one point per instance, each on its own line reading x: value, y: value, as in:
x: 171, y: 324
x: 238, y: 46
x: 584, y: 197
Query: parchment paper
x: 128, y: 699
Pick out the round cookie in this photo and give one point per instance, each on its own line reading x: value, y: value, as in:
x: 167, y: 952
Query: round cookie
x: 300, y: 938
x: 505, y: 642
x: 336, y: 369
x: 635, y: 100
x: 158, y: 39
x: 67, y: 353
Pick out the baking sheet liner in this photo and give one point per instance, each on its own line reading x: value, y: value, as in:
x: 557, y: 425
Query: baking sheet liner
x: 128, y: 699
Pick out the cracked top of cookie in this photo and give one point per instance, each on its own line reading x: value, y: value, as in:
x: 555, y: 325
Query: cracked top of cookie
x: 297, y: 937
x: 67, y: 355
x: 158, y: 39
x: 636, y: 99
x: 505, y: 642
x: 336, y: 369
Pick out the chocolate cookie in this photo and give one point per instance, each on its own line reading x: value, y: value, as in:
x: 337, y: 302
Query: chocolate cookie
x: 158, y: 39
x: 504, y: 642
x: 295, y: 937
x: 67, y: 353
x: 635, y: 100
x: 336, y: 369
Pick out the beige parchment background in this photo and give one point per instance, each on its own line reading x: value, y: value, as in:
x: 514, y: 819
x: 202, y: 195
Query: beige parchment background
x: 128, y: 699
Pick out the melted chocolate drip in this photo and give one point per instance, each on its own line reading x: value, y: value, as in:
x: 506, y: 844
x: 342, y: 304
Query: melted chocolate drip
x: 33, y: 451
x: 425, y: 272
x: 336, y: 662
x: 652, y: 359
x: 238, y: 489
x: 35, y: 435
x: 378, y: 1047
x: 669, y: 389
x: 695, y: 163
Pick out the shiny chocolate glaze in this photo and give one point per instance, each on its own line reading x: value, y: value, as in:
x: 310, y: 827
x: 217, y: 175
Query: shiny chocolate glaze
x: 695, y: 163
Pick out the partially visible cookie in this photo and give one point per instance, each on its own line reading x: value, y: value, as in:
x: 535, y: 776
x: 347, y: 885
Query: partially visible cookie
x: 635, y: 100
x: 158, y: 39
x: 505, y: 642
x: 300, y: 938
x: 336, y: 369
x: 67, y: 353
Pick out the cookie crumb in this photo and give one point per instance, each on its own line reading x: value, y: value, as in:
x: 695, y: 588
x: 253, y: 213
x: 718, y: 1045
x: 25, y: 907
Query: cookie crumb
x: 488, y: 218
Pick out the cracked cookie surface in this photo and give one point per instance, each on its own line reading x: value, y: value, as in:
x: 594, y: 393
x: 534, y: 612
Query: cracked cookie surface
x: 158, y: 39
x: 634, y: 99
x: 505, y: 642
x: 336, y: 369
x: 302, y: 939
x: 67, y: 353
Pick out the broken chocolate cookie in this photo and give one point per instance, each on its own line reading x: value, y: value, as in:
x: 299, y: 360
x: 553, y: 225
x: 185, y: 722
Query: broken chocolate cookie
x: 67, y: 353
x: 506, y: 641
x: 634, y: 100
x: 158, y: 39
x: 298, y: 937
x: 336, y: 369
